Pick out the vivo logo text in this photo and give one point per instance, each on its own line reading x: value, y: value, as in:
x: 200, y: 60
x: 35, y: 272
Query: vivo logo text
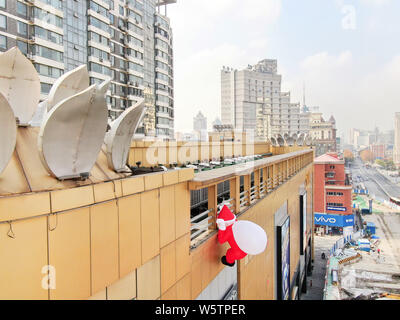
x: 322, y: 219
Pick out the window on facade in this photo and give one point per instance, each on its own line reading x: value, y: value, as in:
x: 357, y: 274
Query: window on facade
x: 334, y: 193
x: 22, y: 28
x: 48, y: 53
x: 48, y: 17
x: 2, y: 3
x: 21, y: 9
x: 3, y: 21
x: 48, y: 71
x: 98, y: 8
x: 45, y: 88
x: 3, y: 42
x: 335, y: 204
x: 22, y: 46
x: 54, y: 3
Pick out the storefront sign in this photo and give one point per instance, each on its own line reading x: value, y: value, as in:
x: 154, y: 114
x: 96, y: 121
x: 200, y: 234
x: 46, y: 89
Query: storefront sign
x: 336, y: 209
x: 333, y: 220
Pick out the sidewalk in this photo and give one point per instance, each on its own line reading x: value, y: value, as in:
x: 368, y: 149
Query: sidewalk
x: 316, y: 290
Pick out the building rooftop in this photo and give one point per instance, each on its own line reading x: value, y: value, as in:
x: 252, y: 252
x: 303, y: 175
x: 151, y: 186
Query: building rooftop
x: 25, y: 172
x: 327, y: 159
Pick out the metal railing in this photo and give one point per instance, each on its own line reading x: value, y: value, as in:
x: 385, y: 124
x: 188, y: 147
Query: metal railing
x: 200, y: 224
x: 244, y: 189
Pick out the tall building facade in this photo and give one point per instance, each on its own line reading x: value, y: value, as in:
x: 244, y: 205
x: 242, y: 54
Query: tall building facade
x: 396, y: 147
x: 332, y: 195
x: 129, y: 41
x: 199, y: 122
x: 323, y: 133
x: 252, y: 99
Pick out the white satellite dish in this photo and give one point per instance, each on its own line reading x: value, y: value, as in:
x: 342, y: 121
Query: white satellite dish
x: 67, y: 85
x: 20, y: 84
x: 118, y: 139
x: 8, y: 133
x: 72, y: 133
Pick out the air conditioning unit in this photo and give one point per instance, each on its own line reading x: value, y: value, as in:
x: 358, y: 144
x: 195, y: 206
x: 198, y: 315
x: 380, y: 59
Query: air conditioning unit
x: 29, y: 56
x: 101, y: 59
x: 33, y: 38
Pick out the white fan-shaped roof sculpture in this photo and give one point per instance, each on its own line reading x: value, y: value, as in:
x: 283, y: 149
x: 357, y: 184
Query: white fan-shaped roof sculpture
x: 281, y: 141
x: 308, y: 140
x: 38, y: 117
x: 67, y: 85
x: 72, y: 133
x: 8, y: 133
x: 286, y: 136
x: 118, y: 139
x: 274, y: 142
x: 20, y: 84
x: 300, y: 140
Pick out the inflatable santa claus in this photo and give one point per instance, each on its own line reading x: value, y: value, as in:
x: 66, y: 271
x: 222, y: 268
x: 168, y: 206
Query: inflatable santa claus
x: 244, y: 237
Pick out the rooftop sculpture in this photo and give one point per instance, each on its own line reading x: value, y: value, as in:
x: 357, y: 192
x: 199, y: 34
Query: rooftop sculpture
x: 118, y: 139
x: 20, y: 84
x: 8, y: 136
x: 73, y: 120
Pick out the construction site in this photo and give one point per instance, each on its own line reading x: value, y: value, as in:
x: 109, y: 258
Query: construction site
x: 366, y: 265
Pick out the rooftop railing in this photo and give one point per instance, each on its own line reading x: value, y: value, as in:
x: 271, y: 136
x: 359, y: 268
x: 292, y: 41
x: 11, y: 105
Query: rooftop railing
x: 248, y: 184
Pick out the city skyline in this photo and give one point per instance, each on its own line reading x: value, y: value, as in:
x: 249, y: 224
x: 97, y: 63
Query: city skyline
x: 338, y: 62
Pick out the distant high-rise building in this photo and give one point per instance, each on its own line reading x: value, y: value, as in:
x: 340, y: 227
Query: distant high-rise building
x: 127, y: 41
x: 396, y: 148
x: 199, y: 122
x: 323, y: 133
x: 251, y: 99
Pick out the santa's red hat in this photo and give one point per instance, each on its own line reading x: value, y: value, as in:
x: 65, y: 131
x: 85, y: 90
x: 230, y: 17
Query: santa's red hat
x: 226, y: 214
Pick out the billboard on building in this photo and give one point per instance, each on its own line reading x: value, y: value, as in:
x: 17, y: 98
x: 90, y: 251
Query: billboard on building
x: 333, y: 220
x: 283, y: 261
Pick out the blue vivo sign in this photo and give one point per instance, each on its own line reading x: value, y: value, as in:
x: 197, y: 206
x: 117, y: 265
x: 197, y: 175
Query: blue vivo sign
x: 333, y: 220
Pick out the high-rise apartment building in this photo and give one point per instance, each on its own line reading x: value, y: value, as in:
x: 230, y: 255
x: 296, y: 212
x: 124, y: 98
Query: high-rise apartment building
x: 199, y: 122
x: 251, y: 99
x: 129, y: 41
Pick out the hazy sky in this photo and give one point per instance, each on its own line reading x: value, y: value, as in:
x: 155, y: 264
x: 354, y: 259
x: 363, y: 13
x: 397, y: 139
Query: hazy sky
x: 347, y: 52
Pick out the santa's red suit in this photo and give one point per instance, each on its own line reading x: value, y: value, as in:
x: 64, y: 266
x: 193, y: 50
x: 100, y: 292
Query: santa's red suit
x: 226, y: 220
